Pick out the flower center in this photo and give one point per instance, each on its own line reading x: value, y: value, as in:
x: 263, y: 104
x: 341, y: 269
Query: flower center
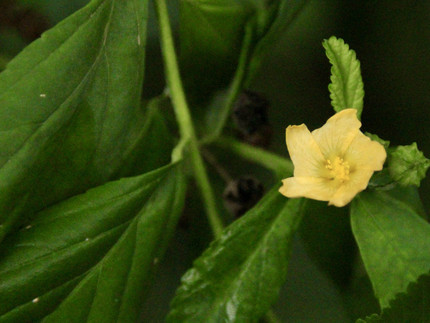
x: 339, y: 169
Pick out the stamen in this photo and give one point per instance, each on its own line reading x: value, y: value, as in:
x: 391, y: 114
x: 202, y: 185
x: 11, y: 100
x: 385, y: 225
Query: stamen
x: 339, y: 169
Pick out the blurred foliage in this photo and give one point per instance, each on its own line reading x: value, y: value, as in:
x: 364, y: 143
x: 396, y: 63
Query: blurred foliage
x: 391, y: 39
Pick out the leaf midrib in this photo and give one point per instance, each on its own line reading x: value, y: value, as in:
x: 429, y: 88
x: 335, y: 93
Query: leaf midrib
x: 80, y: 85
x: 245, y: 265
x: 135, y: 192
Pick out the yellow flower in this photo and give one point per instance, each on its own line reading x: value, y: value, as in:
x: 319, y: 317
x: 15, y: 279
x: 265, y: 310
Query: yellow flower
x: 334, y: 162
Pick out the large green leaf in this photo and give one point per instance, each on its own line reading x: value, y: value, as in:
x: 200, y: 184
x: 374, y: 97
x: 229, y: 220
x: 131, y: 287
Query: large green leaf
x: 346, y: 87
x: 394, y: 242
x: 413, y: 306
x: 90, y: 258
x: 272, y: 23
x: 238, y: 277
x: 222, y: 45
x: 211, y: 34
x: 152, y: 146
x: 69, y: 107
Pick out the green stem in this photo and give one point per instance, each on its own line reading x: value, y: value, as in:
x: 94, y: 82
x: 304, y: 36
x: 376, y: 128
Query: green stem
x: 235, y: 86
x: 282, y: 167
x: 183, y: 116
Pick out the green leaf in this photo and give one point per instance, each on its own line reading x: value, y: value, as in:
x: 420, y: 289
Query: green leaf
x: 217, y: 26
x: 239, y: 276
x: 376, y: 138
x: 69, y: 107
x: 152, y: 146
x: 273, y: 20
x: 346, y: 87
x: 413, y: 306
x: 407, y: 165
x: 393, y: 240
x: 90, y: 258
x: 409, y: 195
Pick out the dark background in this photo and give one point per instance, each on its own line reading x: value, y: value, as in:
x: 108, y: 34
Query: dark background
x: 392, y: 41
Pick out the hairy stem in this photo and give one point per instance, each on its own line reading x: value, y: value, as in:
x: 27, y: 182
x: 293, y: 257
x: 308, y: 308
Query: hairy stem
x: 183, y: 116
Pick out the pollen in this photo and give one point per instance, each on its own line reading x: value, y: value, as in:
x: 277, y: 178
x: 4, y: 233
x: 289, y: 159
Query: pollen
x: 339, y: 169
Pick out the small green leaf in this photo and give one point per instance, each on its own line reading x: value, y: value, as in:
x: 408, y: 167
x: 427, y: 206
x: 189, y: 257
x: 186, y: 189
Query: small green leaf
x: 69, y: 108
x: 239, y: 276
x: 346, y: 87
x: 376, y: 138
x: 413, y: 306
x: 394, y: 242
x: 407, y: 165
x: 90, y: 258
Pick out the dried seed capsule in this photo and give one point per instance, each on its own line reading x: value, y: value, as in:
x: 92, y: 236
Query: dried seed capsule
x: 242, y: 194
x: 250, y: 116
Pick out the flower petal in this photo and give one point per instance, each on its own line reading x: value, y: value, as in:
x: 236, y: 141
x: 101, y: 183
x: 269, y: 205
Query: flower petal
x: 357, y: 182
x: 337, y: 134
x: 311, y: 187
x: 364, y: 153
x: 304, y: 152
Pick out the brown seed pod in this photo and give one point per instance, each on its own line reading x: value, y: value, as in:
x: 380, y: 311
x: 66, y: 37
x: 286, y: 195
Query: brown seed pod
x: 242, y: 194
x: 250, y: 116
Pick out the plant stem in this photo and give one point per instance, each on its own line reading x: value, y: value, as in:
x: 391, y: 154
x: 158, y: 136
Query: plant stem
x: 282, y: 167
x: 183, y: 116
x: 219, y: 169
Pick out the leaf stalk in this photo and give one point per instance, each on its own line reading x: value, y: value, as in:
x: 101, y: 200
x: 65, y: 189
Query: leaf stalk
x: 282, y: 167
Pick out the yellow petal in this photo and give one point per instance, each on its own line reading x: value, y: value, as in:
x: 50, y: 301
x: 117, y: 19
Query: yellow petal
x: 304, y: 152
x: 337, y: 134
x: 311, y: 187
x: 364, y: 153
x: 357, y: 182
